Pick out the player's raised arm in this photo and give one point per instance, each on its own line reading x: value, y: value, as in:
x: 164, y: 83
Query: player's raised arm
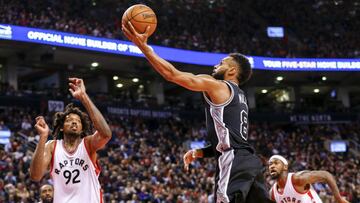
x: 103, y: 132
x: 168, y: 71
x: 303, y: 178
x: 42, y: 155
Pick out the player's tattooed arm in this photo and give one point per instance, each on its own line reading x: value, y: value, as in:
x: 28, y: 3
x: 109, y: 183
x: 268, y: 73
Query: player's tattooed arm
x: 305, y: 178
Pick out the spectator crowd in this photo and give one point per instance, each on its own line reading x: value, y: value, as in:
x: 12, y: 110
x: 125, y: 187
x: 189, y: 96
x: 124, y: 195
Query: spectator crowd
x: 212, y: 26
x: 143, y: 161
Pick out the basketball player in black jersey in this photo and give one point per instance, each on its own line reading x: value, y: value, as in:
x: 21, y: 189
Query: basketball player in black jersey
x: 239, y: 176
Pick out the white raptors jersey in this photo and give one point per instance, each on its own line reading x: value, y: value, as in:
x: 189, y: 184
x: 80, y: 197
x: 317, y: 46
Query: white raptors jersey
x: 75, y: 176
x: 290, y: 195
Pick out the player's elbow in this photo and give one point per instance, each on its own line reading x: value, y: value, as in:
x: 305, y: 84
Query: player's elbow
x: 35, y: 176
x: 323, y: 176
x: 108, y: 133
x: 169, y: 77
x: 35, y: 179
x: 327, y: 176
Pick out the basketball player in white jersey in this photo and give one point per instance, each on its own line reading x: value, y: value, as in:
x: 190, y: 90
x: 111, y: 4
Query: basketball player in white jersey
x: 71, y: 156
x: 296, y: 187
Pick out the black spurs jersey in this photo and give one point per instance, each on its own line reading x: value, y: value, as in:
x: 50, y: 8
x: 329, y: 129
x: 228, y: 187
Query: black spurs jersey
x: 227, y: 123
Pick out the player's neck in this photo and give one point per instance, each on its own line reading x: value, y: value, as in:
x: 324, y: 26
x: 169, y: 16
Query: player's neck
x: 232, y: 80
x: 71, y: 141
x: 282, y: 180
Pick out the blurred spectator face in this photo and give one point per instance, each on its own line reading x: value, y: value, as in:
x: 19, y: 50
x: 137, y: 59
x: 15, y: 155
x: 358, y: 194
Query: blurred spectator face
x: 46, y: 193
x: 25, y: 125
x: 10, y: 189
x: 20, y: 186
x: 72, y: 124
x: 276, y: 168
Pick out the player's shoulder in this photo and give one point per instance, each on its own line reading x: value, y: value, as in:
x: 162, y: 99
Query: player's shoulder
x: 300, y: 173
x: 298, y: 177
x: 211, y: 78
x: 205, y: 76
x: 50, y: 146
x: 213, y: 83
x: 89, y: 138
x: 51, y: 143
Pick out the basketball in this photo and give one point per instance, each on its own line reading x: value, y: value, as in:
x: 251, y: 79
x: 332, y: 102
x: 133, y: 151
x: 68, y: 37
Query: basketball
x: 140, y: 17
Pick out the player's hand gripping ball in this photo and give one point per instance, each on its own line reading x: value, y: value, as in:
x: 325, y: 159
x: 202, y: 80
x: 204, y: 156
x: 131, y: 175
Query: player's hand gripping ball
x: 140, y: 17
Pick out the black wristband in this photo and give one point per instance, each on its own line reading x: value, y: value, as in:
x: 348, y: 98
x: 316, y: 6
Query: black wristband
x: 208, y: 151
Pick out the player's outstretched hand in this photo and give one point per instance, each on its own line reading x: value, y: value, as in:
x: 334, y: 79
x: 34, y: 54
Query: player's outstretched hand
x: 77, y: 87
x: 41, y: 127
x: 188, y: 158
x: 138, y: 39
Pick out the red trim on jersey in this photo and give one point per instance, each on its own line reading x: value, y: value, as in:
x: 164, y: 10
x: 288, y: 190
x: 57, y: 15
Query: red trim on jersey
x: 95, y: 164
x: 281, y: 193
x: 101, y: 196
x: 310, y: 195
x: 301, y: 193
x: 52, y: 158
x: 97, y: 168
x: 272, y: 193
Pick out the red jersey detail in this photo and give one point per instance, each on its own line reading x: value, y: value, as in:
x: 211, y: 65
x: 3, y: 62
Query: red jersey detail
x: 52, y: 159
x: 96, y: 165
